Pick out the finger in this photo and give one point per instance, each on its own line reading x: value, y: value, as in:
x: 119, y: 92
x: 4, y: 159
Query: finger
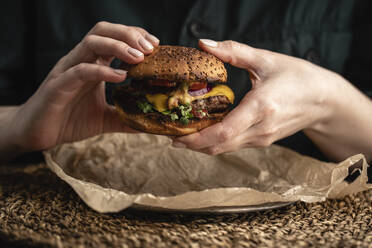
x: 104, y: 47
x: 235, y: 123
x: 249, y: 139
x: 151, y: 38
x: 137, y: 43
x: 135, y: 37
x: 239, y: 55
x: 93, y: 46
x: 229, y: 146
x: 258, y: 136
x: 84, y: 73
x: 264, y: 134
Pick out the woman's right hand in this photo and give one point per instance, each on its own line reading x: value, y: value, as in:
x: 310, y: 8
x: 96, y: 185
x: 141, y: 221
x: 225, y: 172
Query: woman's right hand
x: 70, y: 103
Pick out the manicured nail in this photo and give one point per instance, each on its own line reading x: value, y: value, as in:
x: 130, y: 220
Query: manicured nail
x: 178, y: 145
x: 210, y: 43
x: 152, y: 39
x: 120, y: 72
x: 135, y: 52
x: 145, y: 44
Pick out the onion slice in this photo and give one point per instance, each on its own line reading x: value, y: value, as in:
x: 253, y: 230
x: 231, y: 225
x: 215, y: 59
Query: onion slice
x: 201, y: 91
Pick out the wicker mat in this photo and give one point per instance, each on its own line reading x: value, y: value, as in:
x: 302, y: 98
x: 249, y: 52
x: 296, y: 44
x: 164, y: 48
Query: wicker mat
x: 37, y: 209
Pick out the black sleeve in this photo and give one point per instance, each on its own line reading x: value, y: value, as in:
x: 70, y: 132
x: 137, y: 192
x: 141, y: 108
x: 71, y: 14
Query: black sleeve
x: 358, y: 66
x: 16, y: 48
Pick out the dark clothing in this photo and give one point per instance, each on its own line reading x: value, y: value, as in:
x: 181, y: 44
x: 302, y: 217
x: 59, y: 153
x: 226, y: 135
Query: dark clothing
x: 334, y: 34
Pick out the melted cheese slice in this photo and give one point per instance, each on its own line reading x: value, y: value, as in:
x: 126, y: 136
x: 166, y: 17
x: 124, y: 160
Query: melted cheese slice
x: 160, y: 101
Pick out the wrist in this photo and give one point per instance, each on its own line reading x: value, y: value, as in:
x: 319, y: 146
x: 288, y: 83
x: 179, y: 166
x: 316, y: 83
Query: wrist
x: 10, y: 142
x: 331, y: 104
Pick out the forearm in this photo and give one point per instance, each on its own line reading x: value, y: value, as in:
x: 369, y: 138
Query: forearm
x: 348, y: 130
x: 8, y: 144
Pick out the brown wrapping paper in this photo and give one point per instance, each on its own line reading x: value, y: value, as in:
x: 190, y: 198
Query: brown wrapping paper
x: 113, y: 171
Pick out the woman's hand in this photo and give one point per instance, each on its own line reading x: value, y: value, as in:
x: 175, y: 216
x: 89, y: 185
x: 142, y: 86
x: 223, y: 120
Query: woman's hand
x: 70, y: 104
x: 288, y: 95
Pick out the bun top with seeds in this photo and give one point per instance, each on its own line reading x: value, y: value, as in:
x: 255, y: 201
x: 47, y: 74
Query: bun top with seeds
x: 182, y: 64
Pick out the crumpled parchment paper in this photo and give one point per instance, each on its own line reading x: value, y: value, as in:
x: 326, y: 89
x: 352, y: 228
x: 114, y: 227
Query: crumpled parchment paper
x: 111, y: 172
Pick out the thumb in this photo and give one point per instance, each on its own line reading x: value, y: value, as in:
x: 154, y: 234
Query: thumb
x: 238, y: 54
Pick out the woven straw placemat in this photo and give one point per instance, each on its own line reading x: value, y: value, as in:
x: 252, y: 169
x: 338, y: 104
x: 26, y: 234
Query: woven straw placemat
x: 37, y: 209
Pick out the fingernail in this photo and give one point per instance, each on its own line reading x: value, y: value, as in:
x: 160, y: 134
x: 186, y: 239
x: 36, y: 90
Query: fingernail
x: 152, y: 38
x: 210, y: 43
x: 135, y: 52
x: 178, y: 145
x: 145, y: 44
x: 120, y: 72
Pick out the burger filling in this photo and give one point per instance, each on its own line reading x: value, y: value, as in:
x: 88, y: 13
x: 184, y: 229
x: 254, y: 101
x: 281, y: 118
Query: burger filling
x: 178, y: 101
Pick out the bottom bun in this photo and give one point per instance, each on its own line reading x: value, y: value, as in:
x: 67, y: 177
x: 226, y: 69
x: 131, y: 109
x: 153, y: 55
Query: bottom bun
x: 156, y: 124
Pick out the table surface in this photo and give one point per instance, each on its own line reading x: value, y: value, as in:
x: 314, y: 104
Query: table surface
x: 37, y: 209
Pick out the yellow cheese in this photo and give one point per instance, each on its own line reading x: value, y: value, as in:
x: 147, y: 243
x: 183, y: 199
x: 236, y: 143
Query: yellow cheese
x: 220, y: 90
x: 160, y: 101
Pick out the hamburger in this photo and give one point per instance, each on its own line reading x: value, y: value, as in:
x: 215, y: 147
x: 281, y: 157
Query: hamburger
x: 174, y: 91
